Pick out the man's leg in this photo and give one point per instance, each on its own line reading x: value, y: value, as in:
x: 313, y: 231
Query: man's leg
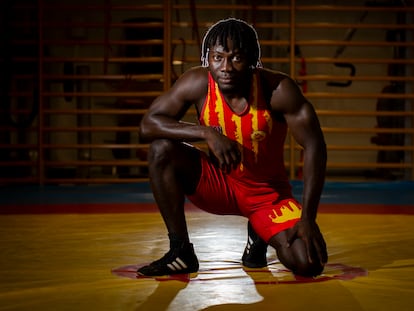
x: 272, y: 223
x: 174, y: 171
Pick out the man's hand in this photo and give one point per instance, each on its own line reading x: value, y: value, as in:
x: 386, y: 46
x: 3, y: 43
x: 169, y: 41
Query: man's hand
x: 225, y: 150
x: 309, y: 233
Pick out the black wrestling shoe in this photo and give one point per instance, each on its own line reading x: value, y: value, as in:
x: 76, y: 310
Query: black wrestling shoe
x: 254, y: 255
x: 178, y: 260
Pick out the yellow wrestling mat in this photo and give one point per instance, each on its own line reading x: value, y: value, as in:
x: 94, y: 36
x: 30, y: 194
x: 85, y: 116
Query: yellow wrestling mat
x: 86, y: 262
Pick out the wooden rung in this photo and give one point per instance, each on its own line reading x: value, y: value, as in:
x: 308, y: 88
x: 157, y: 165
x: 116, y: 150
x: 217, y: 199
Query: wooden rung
x: 96, y: 111
x: 17, y: 163
x: 99, y: 59
x: 96, y: 146
x: 356, y: 60
x: 359, y: 95
x: 364, y: 113
x: 318, y: 25
x: 359, y: 130
x: 94, y: 180
x: 96, y: 163
x: 101, y: 7
x: 98, y: 77
x: 368, y: 165
x: 354, y: 78
x: 370, y: 147
x: 103, y: 94
x: 353, y: 43
x: 92, y: 129
x: 353, y: 8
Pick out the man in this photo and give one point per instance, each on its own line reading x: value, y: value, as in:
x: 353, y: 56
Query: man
x: 244, y: 111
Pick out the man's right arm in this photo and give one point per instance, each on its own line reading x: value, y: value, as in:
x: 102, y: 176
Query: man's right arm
x: 162, y: 119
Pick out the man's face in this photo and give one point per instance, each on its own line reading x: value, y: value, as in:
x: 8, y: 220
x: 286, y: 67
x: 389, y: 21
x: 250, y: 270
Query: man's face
x: 228, y: 68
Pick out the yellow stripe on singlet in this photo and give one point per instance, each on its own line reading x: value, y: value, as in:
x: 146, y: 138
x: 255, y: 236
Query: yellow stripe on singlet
x: 220, y: 111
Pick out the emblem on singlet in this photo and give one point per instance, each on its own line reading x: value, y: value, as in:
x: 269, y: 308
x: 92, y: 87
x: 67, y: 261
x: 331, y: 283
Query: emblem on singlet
x: 258, y: 135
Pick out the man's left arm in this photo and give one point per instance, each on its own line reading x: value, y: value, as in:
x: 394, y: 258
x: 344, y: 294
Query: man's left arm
x: 305, y: 128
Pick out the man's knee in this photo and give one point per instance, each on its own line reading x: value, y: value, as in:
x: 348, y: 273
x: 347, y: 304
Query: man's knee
x: 307, y: 269
x: 300, y: 265
x: 295, y: 257
x: 160, y: 151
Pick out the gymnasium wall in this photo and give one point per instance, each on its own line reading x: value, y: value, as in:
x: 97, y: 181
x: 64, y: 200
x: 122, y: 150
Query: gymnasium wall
x: 77, y: 76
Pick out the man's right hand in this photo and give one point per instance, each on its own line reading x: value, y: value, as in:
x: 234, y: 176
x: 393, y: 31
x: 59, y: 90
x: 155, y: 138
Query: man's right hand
x: 226, y: 151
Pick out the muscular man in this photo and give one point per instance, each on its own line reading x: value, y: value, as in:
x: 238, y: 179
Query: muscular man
x: 244, y: 111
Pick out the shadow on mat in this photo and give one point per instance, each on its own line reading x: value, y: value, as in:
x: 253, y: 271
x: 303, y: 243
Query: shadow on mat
x: 254, y: 289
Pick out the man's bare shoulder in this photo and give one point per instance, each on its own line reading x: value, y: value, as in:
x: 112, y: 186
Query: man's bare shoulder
x: 198, y: 75
x: 273, y: 77
x: 192, y: 84
x: 286, y: 94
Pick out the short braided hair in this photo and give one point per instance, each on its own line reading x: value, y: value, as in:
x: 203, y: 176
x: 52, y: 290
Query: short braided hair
x: 243, y: 35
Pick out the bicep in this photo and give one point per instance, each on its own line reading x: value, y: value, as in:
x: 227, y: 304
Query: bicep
x: 298, y: 112
x: 175, y: 102
x: 168, y: 104
x: 304, y: 125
